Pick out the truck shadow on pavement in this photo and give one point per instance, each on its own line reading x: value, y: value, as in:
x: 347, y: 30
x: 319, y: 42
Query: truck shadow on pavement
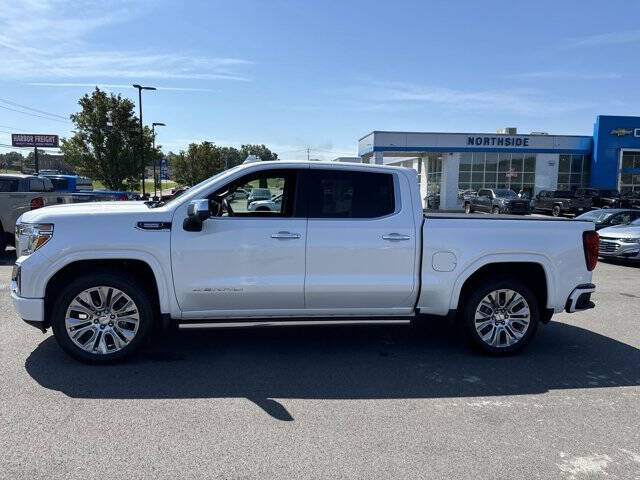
x: 7, y: 257
x: 264, y: 365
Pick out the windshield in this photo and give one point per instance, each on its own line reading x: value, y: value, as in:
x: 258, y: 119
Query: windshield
x: 596, y: 216
x: 505, y: 193
x: 195, y: 188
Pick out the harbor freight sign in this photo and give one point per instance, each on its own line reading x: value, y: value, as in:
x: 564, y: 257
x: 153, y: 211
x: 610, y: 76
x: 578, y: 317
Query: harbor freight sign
x: 34, y: 140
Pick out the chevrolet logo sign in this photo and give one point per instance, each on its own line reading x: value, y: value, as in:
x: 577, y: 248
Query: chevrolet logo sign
x: 621, y: 132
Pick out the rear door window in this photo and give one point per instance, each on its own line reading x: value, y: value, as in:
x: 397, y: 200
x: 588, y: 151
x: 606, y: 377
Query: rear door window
x: 341, y: 194
x: 9, y: 184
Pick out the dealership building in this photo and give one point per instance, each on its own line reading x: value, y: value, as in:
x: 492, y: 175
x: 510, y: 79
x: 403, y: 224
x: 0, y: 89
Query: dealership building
x: 451, y: 163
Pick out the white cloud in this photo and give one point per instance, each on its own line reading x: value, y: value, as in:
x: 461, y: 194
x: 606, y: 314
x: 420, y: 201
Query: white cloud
x: 114, y: 86
x: 610, y: 38
x: 48, y: 39
x: 522, y: 101
x: 551, y: 74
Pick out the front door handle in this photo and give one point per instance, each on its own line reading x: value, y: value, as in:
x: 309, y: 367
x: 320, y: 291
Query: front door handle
x: 395, y: 237
x: 285, y: 235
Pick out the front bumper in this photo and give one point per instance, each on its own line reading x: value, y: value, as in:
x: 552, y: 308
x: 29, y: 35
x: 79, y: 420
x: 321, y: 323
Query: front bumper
x: 580, y: 298
x: 614, y: 248
x: 517, y: 209
x: 31, y: 310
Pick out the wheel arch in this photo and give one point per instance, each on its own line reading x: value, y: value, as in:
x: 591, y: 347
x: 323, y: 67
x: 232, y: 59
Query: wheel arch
x: 533, y: 270
x: 148, y: 273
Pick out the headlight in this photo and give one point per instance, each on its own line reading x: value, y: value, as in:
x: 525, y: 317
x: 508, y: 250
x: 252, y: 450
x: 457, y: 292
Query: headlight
x: 630, y: 240
x: 31, y: 236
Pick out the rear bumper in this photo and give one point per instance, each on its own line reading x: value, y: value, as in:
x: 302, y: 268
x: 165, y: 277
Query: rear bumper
x: 580, y: 298
x: 31, y: 310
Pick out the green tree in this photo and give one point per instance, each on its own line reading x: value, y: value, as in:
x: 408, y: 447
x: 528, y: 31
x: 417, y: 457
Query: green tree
x: 106, y: 142
x: 259, y: 150
x: 198, y: 162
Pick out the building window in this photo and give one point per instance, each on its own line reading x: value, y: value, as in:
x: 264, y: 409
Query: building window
x: 497, y: 170
x: 434, y: 175
x: 630, y: 181
x: 573, y: 171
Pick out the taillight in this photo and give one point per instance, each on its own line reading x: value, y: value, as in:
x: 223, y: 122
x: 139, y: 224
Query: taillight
x: 37, y: 202
x: 123, y: 197
x: 591, y: 243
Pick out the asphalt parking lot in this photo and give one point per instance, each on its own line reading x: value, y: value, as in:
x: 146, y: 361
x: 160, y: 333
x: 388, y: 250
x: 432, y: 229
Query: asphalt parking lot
x: 332, y: 402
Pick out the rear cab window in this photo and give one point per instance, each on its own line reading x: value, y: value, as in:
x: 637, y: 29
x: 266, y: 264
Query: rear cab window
x: 9, y: 184
x: 348, y: 194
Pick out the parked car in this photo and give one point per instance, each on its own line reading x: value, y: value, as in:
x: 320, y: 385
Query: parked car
x: 21, y: 193
x: 600, y: 198
x: 498, y: 200
x: 240, y: 193
x: 273, y: 205
x: 621, y: 241
x: 347, y: 248
x: 610, y: 216
x: 630, y: 199
x: 560, y: 202
x: 70, y: 183
x: 258, y: 194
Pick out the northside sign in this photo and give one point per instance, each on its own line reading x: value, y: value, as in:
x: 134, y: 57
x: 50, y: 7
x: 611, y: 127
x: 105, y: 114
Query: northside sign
x: 499, y: 141
x: 33, y: 140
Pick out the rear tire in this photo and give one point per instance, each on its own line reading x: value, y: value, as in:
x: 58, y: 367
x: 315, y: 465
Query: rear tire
x: 467, y: 208
x: 556, y: 211
x: 114, y: 326
x: 500, y: 316
x: 495, y: 210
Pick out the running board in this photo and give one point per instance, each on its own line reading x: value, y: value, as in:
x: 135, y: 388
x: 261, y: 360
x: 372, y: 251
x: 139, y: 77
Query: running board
x: 287, y: 323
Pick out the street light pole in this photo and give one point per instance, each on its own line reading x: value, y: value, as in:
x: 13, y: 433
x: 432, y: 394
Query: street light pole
x: 153, y: 135
x: 140, y: 88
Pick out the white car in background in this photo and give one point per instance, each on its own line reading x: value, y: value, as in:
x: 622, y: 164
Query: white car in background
x: 273, y: 205
x: 257, y: 194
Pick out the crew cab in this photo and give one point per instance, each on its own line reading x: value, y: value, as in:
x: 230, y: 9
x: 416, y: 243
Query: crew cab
x: 349, y: 245
x: 498, y: 200
x: 560, y: 202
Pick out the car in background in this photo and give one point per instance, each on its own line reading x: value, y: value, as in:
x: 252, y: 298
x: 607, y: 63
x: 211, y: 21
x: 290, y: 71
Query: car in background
x: 240, y: 193
x: 497, y: 200
x: 607, y: 217
x: 621, y: 241
x: 83, y: 191
x: 560, y: 202
x: 273, y: 205
x: 600, y: 198
x: 258, y: 194
x: 630, y: 199
x: 20, y: 193
x: 70, y: 183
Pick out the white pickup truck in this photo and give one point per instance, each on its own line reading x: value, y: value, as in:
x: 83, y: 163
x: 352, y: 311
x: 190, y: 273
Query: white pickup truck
x: 349, y: 245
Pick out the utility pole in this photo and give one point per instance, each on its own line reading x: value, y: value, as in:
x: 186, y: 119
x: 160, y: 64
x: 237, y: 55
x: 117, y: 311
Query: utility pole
x: 35, y: 157
x: 308, y: 152
x: 140, y: 88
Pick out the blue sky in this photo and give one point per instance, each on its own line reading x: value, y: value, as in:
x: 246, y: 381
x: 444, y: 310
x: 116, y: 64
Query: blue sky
x: 293, y: 74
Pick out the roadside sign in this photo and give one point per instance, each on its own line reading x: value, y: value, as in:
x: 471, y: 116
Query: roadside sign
x: 33, y: 140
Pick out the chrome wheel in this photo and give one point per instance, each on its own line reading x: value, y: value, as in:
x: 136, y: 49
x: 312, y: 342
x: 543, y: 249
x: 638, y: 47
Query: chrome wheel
x: 102, y: 320
x: 502, y: 318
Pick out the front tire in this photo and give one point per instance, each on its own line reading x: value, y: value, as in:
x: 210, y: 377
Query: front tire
x: 556, y: 211
x: 102, y: 318
x: 467, y: 208
x: 501, y: 316
x: 495, y: 210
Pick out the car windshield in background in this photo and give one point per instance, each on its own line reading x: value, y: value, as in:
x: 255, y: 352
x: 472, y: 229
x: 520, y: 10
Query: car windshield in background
x: 505, y: 193
x: 60, y: 183
x: 596, y: 216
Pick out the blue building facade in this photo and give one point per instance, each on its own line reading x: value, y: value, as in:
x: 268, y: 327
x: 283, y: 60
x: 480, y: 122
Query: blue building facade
x: 448, y: 164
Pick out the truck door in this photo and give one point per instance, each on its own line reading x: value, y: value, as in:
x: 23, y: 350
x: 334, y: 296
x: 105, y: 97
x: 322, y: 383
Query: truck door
x: 243, y: 262
x: 361, y: 243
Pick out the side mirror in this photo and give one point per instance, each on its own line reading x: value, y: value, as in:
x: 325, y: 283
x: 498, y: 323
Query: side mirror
x: 197, y: 212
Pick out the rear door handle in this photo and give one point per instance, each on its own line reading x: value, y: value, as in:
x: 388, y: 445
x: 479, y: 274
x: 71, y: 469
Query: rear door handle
x: 395, y: 237
x: 285, y: 235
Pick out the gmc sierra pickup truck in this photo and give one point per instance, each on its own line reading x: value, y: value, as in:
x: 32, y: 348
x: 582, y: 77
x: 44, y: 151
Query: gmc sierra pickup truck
x: 349, y: 244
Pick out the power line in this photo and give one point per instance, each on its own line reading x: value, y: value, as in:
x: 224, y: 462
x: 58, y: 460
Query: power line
x: 35, y: 115
x: 8, y: 102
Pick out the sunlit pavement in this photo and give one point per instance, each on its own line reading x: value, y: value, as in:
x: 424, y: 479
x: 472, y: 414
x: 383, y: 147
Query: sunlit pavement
x: 332, y: 402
